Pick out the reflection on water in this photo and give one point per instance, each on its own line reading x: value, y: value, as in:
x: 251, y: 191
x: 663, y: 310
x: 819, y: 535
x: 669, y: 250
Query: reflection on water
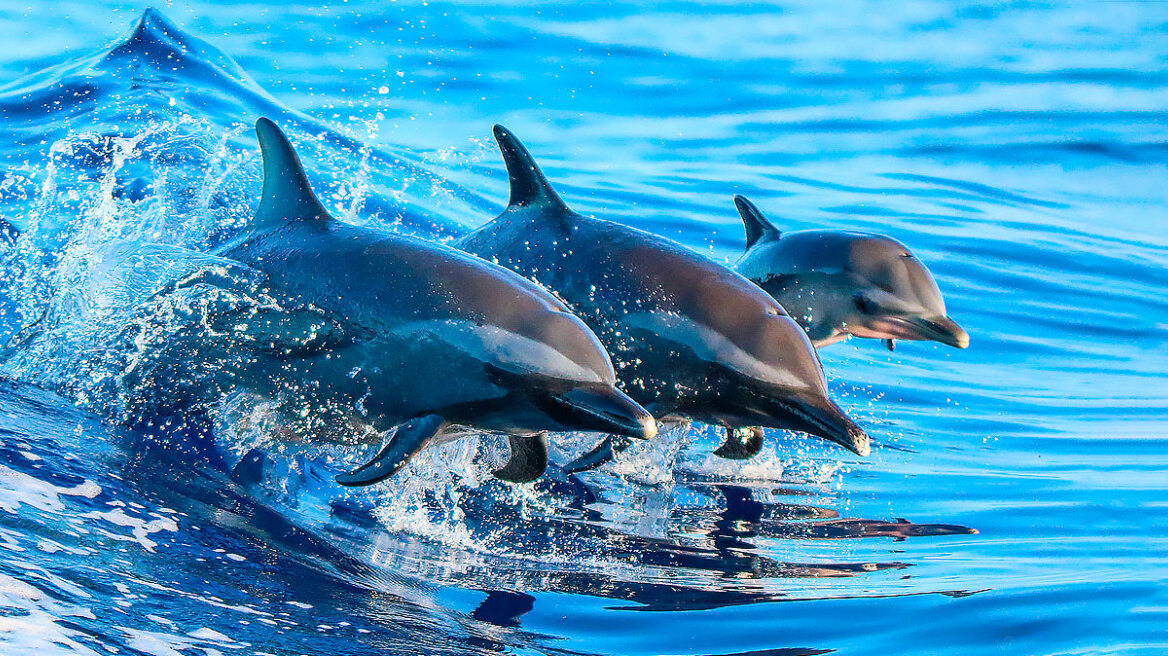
x: 186, y: 523
x: 710, y: 555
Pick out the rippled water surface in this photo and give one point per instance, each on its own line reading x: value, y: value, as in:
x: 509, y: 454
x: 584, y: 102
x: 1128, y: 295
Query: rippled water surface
x: 1015, y: 499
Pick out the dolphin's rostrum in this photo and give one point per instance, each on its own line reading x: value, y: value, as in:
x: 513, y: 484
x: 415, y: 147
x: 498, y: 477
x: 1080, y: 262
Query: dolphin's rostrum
x: 837, y: 283
x: 416, y: 335
x: 690, y: 338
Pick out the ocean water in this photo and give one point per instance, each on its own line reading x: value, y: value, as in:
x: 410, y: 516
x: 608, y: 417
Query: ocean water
x: 1015, y: 501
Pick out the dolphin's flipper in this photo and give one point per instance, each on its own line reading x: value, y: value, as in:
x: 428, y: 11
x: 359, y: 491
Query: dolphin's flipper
x: 741, y: 443
x: 890, y: 343
x: 757, y: 225
x: 408, y: 440
x: 601, y: 454
x: 529, y: 187
x: 286, y: 195
x: 529, y: 459
x: 504, y: 608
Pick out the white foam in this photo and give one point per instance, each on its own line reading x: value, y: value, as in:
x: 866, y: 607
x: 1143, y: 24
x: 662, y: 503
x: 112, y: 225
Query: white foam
x: 208, y: 634
x: 30, y: 622
x: 155, y: 643
x: 140, y: 529
x: 18, y: 489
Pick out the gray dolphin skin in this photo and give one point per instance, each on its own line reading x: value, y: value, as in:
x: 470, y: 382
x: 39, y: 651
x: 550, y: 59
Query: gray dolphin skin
x: 690, y: 338
x: 837, y: 283
x: 397, y: 331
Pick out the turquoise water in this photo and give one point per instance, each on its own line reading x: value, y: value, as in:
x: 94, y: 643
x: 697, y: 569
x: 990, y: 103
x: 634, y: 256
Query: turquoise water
x: 1015, y: 498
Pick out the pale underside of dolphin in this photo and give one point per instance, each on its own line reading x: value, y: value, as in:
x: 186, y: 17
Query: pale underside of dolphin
x: 691, y: 339
x: 838, y: 284
x: 392, y: 331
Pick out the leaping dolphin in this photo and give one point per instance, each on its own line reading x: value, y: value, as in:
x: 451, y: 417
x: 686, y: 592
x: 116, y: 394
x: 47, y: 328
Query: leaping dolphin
x: 691, y: 339
x: 837, y: 283
x: 401, y: 332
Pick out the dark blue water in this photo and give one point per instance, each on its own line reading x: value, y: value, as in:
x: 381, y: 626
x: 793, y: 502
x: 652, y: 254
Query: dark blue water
x: 1015, y: 499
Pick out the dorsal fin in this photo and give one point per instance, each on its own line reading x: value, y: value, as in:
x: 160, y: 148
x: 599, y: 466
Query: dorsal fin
x: 757, y: 226
x: 287, y: 194
x: 529, y: 187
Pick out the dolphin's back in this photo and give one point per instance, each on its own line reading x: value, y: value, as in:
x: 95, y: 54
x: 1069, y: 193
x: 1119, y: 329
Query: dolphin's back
x: 372, y: 278
x: 617, y: 268
x: 806, y: 251
x: 619, y: 277
x: 378, y: 282
x: 876, y: 259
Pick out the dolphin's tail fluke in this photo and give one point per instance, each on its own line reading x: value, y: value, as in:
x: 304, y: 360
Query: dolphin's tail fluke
x: 8, y: 232
x: 286, y: 194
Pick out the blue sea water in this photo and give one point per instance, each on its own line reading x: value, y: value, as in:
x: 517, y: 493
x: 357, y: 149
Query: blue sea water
x: 1015, y: 501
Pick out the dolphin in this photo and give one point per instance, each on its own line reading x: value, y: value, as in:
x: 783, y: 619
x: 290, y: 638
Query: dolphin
x: 691, y: 339
x: 838, y: 283
x: 392, y: 331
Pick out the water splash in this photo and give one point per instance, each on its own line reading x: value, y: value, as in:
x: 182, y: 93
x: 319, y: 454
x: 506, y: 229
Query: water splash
x: 148, y: 145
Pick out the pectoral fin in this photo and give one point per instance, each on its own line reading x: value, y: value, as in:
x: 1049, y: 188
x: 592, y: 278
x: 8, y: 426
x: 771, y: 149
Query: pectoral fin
x: 410, y: 438
x: 603, y: 453
x: 529, y: 459
x: 741, y: 443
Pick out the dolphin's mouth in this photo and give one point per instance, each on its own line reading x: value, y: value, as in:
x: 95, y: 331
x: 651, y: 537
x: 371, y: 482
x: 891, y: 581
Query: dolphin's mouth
x: 937, y: 329
x: 600, y: 408
x: 823, y: 418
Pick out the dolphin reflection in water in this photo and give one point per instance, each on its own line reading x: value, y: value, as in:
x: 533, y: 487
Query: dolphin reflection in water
x: 721, y: 554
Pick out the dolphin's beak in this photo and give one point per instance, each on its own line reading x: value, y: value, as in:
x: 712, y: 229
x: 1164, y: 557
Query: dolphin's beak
x: 936, y: 329
x: 605, y: 409
x: 823, y: 418
x: 943, y: 329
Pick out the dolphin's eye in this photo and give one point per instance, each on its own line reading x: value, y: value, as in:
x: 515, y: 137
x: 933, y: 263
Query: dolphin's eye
x: 864, y: 304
